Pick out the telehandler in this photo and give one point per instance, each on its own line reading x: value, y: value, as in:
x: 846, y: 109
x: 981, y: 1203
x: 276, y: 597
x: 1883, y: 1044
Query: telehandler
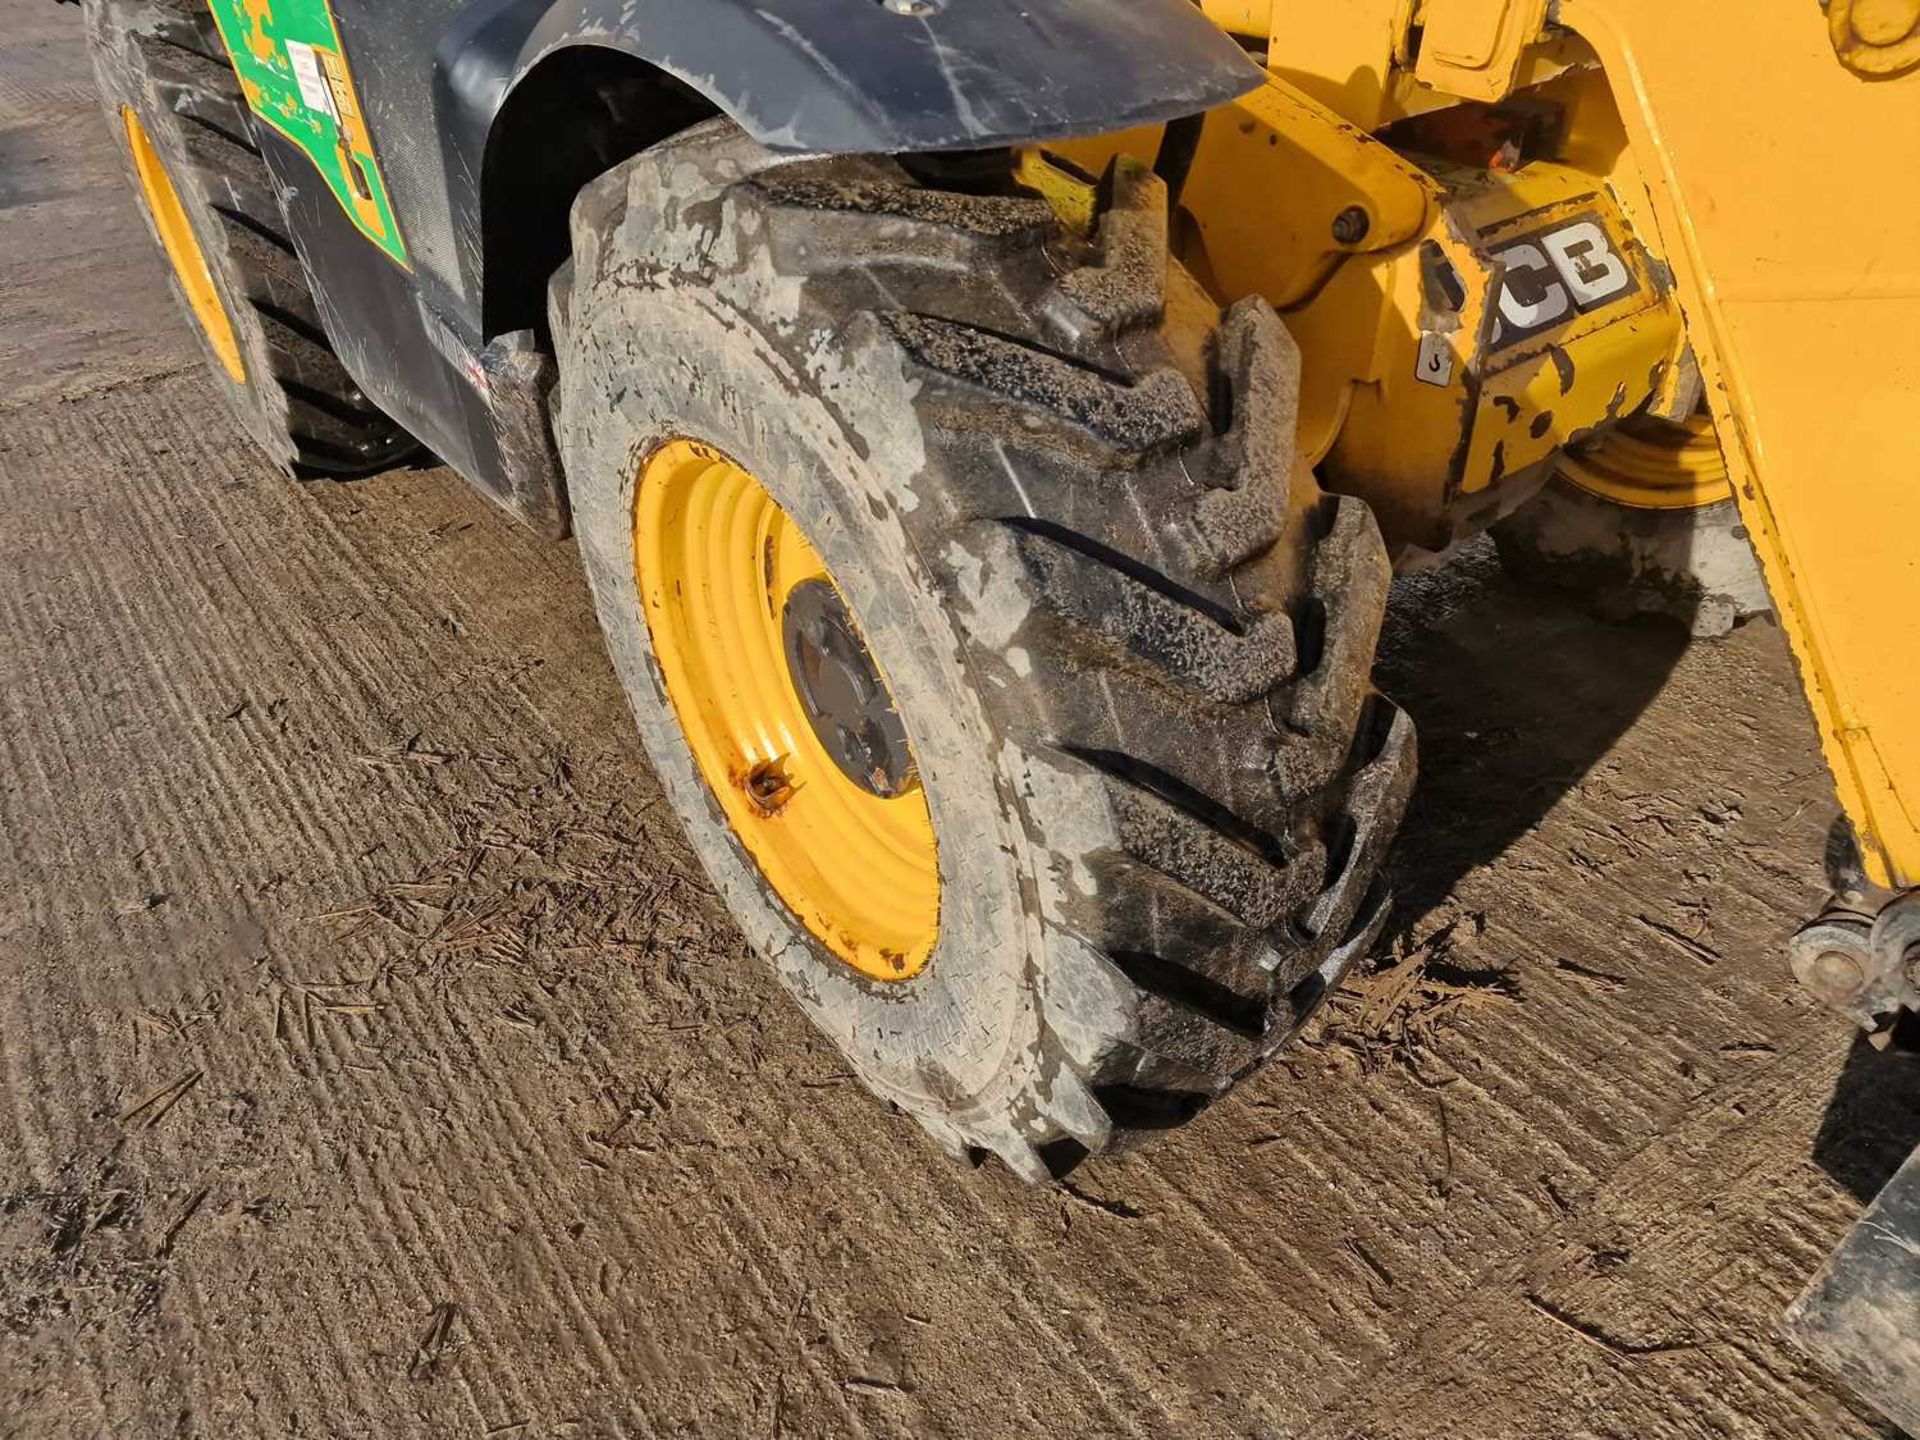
x: 990, y: 428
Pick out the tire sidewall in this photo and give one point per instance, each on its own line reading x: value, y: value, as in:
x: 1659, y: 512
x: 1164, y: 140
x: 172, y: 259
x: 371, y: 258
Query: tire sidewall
x: 649, y: 365
x: 126, y: 83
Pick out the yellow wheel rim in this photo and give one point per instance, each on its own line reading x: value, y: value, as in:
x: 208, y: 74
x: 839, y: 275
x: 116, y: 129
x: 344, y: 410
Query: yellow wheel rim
x: 1653, y: 464
x: 727, y: 583
x: 183, y: 249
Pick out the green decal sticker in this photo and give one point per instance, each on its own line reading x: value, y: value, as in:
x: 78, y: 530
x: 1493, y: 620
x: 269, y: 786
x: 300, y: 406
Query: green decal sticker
x: 293, y: 69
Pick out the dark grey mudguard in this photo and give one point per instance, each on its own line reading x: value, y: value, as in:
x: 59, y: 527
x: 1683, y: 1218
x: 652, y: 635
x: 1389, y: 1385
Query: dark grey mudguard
x: 833, y: 76
x: 813, y: 75
x: 854, y: 75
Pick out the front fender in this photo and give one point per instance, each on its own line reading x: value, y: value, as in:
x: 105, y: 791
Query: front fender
x: 855, y: 75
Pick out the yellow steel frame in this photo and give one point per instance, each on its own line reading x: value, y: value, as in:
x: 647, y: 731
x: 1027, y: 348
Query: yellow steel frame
x: 1782, y: 187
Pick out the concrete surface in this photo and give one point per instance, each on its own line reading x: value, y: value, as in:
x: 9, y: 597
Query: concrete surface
x: 376, y: 1062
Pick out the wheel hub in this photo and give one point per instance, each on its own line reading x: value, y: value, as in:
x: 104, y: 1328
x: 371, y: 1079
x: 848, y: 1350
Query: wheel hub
x: 786, y: 710
x: 840, y: 688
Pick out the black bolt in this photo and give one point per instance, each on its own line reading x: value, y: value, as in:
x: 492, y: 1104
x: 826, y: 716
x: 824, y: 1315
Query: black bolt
x: 1350, y: 226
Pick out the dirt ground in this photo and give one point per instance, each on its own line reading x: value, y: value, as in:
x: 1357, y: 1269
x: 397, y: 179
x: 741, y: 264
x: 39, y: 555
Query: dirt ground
x: 376, y: 1062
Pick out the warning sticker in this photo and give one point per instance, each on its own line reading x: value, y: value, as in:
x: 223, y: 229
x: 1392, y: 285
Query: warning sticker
x: 1435, y: 363
x: 306, y: 74
x: 293, y: 71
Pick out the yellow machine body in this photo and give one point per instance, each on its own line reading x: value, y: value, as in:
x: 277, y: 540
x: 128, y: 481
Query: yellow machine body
x: 1498, y: 232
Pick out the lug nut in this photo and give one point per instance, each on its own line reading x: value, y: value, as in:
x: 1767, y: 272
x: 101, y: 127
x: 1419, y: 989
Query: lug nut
x: 1351, y: 225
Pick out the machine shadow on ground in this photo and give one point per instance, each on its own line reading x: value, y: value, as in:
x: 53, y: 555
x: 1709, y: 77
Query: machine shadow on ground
x: 1517, y: 692
x: 1873, y: 1120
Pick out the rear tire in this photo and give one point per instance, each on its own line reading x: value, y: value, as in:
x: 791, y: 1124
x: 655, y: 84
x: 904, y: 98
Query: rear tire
x: 1129, y: 638
x: 164, y: 61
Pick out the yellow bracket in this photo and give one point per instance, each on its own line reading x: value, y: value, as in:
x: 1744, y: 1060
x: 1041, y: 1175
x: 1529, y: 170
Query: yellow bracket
x: 1473, y: 48
x: 1073, y: 195
x: 1427, y: 402
x: 1283, y: 190
x: 1408, y: 404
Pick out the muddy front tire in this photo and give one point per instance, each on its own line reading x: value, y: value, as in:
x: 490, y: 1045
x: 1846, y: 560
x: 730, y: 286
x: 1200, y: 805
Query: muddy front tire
x: 1129, y: 640
x: 175, y: 103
